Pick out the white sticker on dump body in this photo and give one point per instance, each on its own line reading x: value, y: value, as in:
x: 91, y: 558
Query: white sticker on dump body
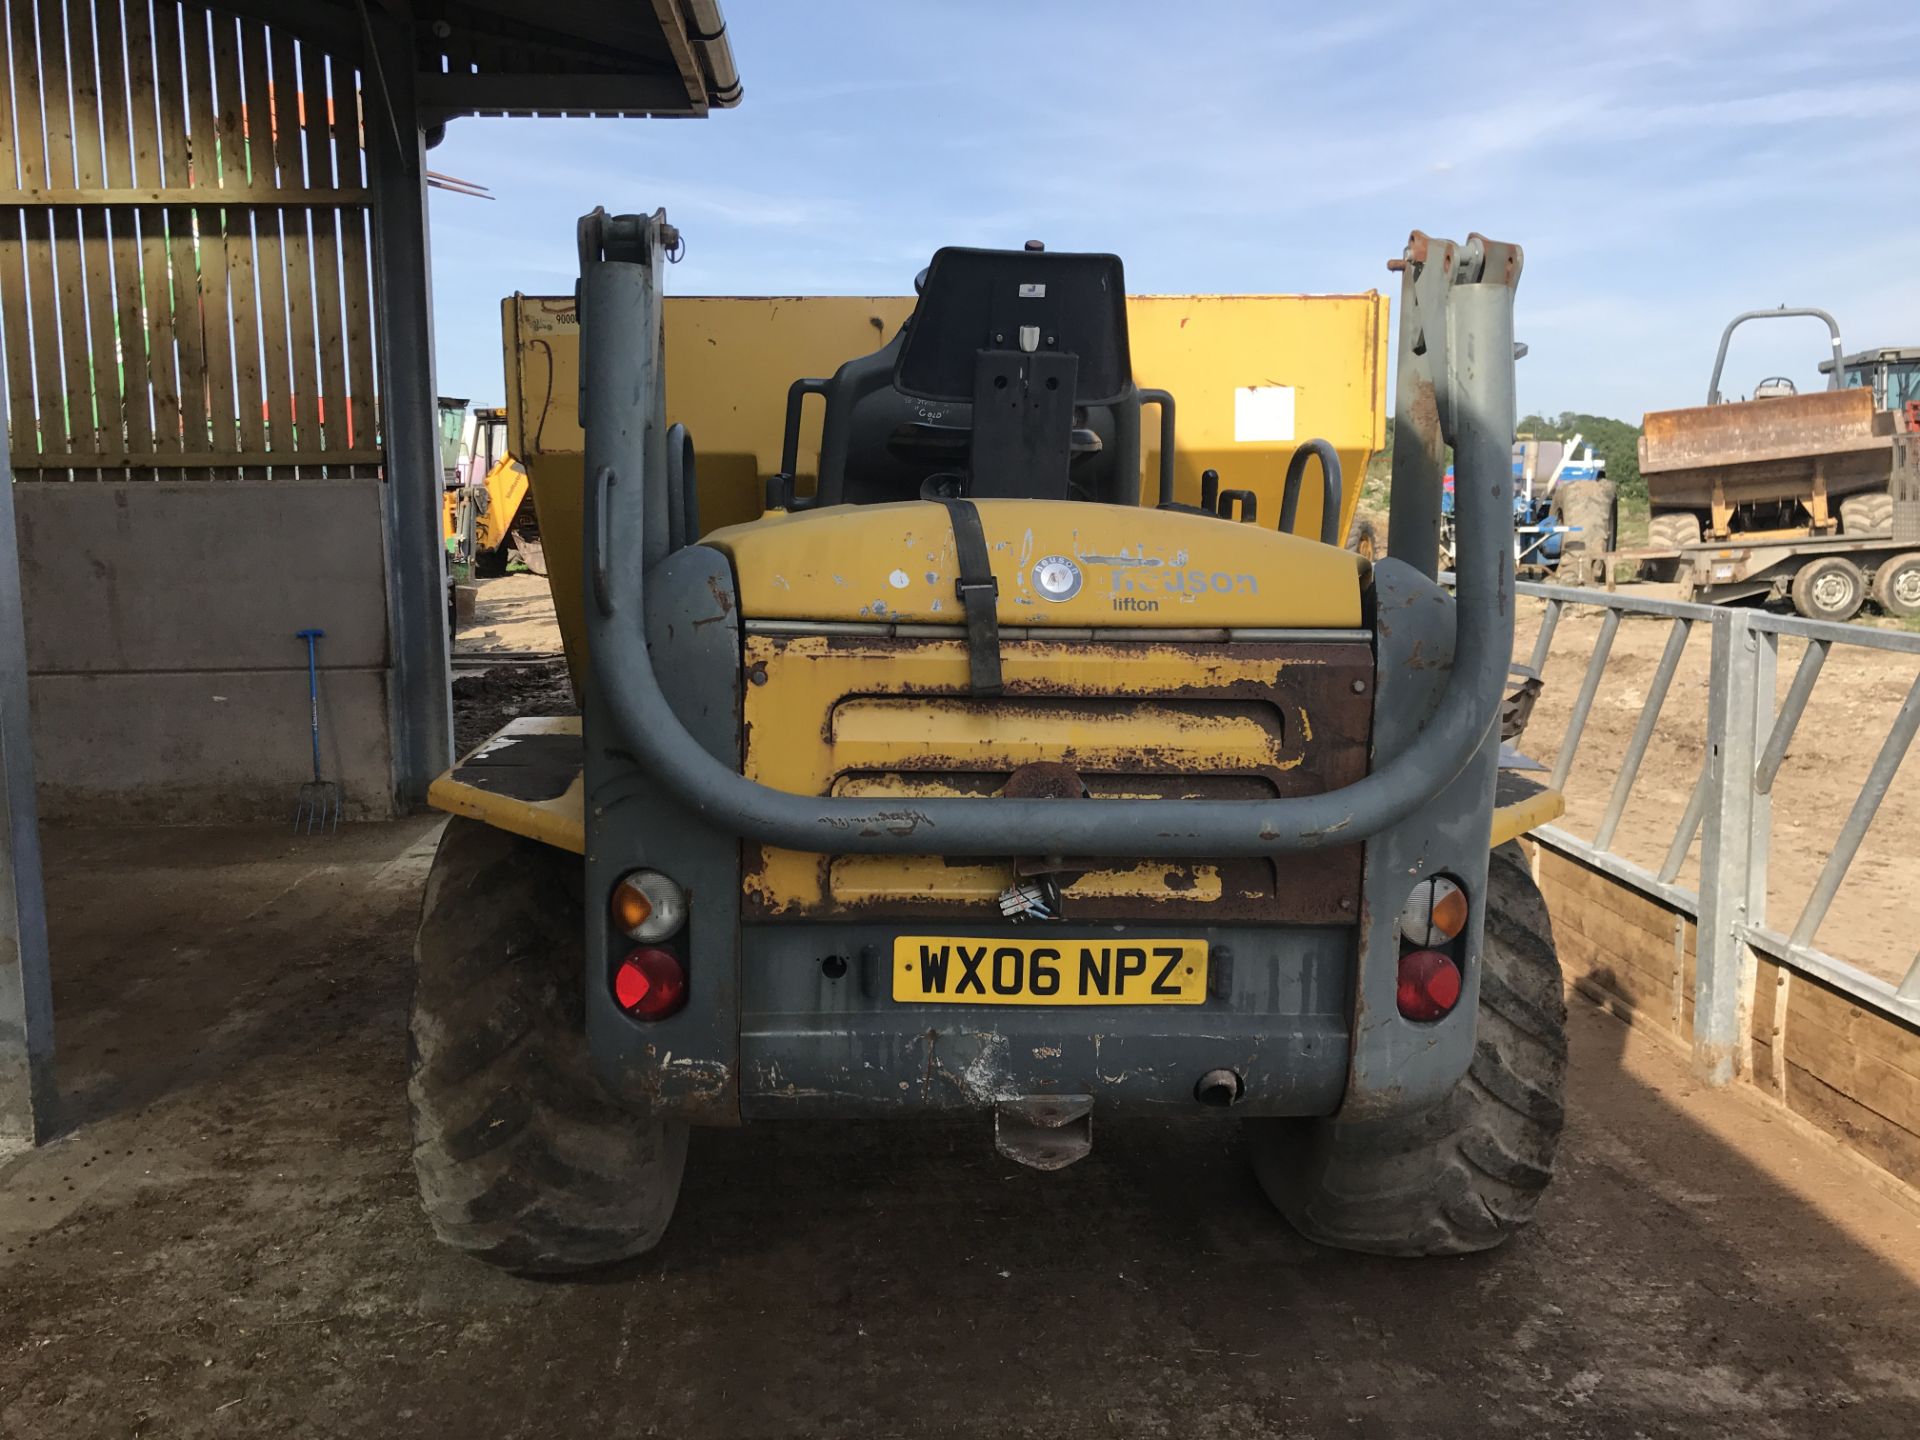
x: 1262, y: 412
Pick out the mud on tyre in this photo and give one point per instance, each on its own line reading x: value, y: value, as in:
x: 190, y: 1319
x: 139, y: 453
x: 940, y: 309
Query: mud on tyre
x: 1468, y: 1173
x: 522, y: 1159
x: 1672, y: 531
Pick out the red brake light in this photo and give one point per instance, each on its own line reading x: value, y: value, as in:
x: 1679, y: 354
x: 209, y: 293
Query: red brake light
x: 650, y: 984
x: 1429, y: 984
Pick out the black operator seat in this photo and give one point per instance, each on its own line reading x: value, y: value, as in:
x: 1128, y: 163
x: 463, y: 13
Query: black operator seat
x: 1061, y: 419
x: 1033, y: 341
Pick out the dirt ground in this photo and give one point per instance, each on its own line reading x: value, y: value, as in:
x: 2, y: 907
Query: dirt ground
x: 1875, y: 919
x: 513, y: 616
x: 226, y: 1241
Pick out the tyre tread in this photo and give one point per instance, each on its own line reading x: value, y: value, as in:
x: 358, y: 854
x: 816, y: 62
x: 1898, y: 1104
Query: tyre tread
x: 522, y: 1159
x: 1468, y: 1173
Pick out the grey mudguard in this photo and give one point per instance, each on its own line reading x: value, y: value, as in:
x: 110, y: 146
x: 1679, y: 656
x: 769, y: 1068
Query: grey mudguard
x: 1399, y: 1065
x: 686, y: 1064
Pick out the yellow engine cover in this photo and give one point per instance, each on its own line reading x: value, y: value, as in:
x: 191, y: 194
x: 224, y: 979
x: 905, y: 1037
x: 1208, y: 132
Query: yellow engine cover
x: 1063, y: 564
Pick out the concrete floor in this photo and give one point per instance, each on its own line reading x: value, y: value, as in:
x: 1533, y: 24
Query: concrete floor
x: 226, y: 1241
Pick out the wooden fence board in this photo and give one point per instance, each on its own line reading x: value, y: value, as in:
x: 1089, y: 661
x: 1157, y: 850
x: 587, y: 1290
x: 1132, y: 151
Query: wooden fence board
x: 53, y: 89
x: 96, y: 247
x: 21, y: 407
x: 363, y: 418
x: 302, y: 328
x: 156, y: 303
x: 176, y: 288
x: 185, y: 284
x: 321, y: 170
x: 119, y: 94
x: 1886, y: 1144
x: 289, y: 164
x: 351, y: 119
x: 214, y: 433
x: 236, y: 228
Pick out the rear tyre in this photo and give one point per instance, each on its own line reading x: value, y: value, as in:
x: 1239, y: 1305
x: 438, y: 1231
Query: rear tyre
x: 522, y: 1159
x: 1588, y: 506
x: 1468, y: 1173
x: 1870, y: 514
x: 1896, y: 586
x: 1830, y: 588
x: 1671, y: 531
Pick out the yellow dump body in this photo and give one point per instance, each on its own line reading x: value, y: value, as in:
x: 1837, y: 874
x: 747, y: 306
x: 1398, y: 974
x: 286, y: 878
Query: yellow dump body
x: 1251, y: 375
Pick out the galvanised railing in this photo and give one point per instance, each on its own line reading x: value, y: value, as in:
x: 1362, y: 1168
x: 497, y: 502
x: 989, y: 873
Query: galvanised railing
x: 1730, y: 810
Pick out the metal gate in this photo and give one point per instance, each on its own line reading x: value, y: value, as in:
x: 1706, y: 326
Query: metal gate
x: 1722, y: 930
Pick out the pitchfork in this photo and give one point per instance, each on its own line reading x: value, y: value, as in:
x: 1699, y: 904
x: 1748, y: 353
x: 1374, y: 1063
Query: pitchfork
x: 319, y: 804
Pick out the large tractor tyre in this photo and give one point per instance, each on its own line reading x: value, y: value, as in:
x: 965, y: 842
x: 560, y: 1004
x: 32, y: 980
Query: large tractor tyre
x: 1669, y: 532
x: 1467, y: 1174
x: 1896, y: 586
x: 522, y: 1158
x: 1587, y: 506
x: 1866, y: 515
x: 1830, y: 588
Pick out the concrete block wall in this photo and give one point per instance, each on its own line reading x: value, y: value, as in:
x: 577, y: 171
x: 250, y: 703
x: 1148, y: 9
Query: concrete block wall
x: 166, y: 681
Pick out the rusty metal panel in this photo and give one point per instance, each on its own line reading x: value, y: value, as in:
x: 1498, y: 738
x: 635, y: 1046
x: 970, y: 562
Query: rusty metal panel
x: 846, y: 715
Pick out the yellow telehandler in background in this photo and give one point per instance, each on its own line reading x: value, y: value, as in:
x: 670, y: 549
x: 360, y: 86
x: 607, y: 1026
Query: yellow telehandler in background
x: 488, y: 516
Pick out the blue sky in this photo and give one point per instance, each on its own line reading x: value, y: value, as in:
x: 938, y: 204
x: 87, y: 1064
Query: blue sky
x: 1665, y: 165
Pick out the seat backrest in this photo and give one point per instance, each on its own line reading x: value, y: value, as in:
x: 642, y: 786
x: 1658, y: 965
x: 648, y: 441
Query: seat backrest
x: 1033, y: 301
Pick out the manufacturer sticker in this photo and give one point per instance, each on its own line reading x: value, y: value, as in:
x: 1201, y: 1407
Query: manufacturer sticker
x: 1056, y: 578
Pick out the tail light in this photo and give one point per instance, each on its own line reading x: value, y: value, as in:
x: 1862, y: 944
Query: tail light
x: 1434, y: 914
x: 646, y: 905
x: 1429, y: 984
x: 650, y: 984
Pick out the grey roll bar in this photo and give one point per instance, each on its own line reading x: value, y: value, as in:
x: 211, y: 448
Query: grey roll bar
x: 1783, y: 313
x: 621, y: 411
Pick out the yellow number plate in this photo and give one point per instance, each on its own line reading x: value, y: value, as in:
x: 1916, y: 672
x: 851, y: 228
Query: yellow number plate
x: 959, y: 971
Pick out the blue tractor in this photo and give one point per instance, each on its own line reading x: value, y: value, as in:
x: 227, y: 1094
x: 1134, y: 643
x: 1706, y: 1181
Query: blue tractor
x: 1563, y: 511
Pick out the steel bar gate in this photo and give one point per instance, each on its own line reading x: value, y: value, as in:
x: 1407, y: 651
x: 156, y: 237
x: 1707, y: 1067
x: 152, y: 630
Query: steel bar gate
x: 1730, y: 808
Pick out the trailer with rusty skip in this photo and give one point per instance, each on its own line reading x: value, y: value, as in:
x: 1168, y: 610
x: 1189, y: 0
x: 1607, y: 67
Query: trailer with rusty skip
x: 1788, y: 496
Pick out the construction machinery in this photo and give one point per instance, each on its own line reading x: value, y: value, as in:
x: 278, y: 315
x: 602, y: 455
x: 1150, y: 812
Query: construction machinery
x: 959, y: 736
x: 1787, y: 496
x: 1563, y: 511
x: 488, y: 516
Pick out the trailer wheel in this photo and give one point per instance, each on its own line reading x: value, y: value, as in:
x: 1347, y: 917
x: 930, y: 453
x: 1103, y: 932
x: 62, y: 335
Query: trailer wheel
x: 522, y: 1159
x: 1467, y: 1174
x: 1896, y: 586
x: 1870, y: 514
x: 1672, y: 531
x: 1829, y: 588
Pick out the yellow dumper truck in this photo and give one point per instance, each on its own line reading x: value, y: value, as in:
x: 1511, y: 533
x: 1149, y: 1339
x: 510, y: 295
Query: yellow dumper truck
x: 985, y: 717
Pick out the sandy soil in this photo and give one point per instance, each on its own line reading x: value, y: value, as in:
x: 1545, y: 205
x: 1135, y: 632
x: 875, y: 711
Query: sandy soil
x: 227, y: 1242
x: 1875, y: 919
x: 513, y: 613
